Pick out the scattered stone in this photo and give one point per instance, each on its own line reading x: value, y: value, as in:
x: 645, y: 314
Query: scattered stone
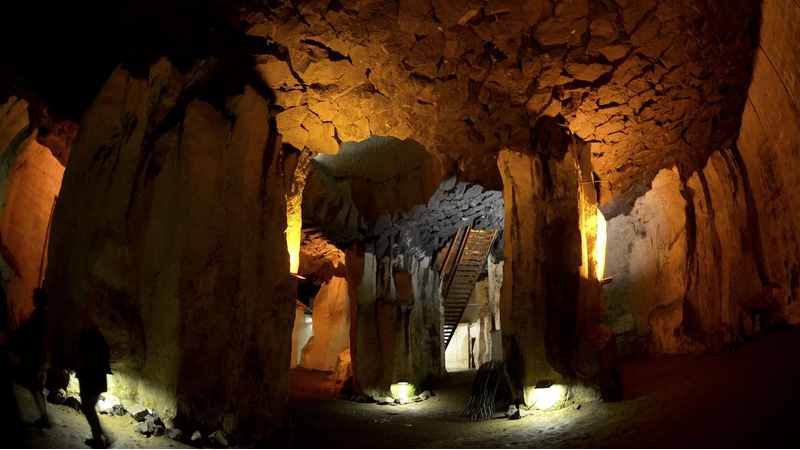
x: 427, y: 394
x: 385, y: 400
x: 219, y: 438
x: 401, y: 401
x: 73, y: 402
x: 175, y: 434
x: 144, y: 428
x: 518, y: 414
x: 152, y: 425
x: 512, y: 410
x: 416, y: 399
x: 137, y: 411
x: 109, y: 404
x: 57, y: 397
x: 197, y: 437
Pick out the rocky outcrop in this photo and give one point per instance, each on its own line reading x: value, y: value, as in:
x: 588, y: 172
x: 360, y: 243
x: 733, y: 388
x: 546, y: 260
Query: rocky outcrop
x: 170, y: 223
x: 551, y: 302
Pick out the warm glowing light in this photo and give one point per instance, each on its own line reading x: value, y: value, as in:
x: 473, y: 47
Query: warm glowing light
x: 600, y: 248
x: 545, y: 398
x: 294, y: 211
x: 403, y: 389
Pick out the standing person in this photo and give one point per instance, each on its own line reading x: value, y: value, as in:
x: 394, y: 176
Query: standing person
x: 93, y: 365
x: 34, y: 356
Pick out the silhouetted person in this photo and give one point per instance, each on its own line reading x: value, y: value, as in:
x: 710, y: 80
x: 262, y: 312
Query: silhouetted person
x: 33, y: 342
x: 93, y: 365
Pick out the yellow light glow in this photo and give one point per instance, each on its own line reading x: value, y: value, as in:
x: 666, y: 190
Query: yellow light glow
x: 294, y: 211
x: 403, y: 389
x: 600, y: 248
x: 73, y: 388
x: 545, y: 398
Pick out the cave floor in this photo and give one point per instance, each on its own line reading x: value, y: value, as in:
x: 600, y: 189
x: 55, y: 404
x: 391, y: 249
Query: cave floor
x: 741, y: 398
x: 70, y: 428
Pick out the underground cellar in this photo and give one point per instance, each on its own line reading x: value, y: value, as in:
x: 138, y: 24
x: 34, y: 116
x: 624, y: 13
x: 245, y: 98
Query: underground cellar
x: 311, y: 223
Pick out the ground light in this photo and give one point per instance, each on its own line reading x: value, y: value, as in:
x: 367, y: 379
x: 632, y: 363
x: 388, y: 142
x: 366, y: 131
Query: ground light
x: 403, y: 390
x: 546, y: 394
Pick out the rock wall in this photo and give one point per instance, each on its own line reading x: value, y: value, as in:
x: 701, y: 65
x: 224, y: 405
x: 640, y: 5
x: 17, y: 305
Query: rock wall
x: 712, y: 255
x: 30, y: 179
x: 331, y: 322
x: 550, y: 294
x: 170, y: 223
x: 31, y: 193
x: 302, y: 331
x: 685, y: 264
x: 768, y: 142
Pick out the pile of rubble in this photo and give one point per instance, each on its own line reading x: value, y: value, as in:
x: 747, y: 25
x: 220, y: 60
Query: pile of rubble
x: 390, y: 400
x: 148, y: 422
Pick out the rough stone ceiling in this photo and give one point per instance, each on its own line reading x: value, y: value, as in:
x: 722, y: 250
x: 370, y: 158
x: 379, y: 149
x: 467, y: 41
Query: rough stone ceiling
x: 651, y: 83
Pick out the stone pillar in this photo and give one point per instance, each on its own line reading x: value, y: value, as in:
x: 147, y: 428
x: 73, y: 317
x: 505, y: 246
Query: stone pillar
x: 551, y: 302
x: 170, y: 223
x: 395, y: 335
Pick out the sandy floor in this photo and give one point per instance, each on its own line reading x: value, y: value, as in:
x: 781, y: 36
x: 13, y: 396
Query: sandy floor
x: 70, y: 428
x: 743, y: 398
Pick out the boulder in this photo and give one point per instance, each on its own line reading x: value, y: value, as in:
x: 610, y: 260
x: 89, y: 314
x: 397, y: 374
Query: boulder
x: 175, y: 434
x: 137, y: 411
x: 219, y: 439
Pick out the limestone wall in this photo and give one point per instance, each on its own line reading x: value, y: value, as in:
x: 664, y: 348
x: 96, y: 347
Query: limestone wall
x: 768, y: 143
x: 331, y: 324
x: 170, y: 223
x: 711, y: 257
x: 685, y: 265
x: 302, y: 331
x: 30, y: 180
x: 31, y: 192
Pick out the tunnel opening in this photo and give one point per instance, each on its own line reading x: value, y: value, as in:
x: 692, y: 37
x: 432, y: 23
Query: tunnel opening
x: 380, y: 219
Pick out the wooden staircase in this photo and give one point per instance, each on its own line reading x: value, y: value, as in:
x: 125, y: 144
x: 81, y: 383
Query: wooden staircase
x: 466, y: 267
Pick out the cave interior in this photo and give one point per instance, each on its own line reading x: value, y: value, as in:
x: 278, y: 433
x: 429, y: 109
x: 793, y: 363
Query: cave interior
x: 397, y: 193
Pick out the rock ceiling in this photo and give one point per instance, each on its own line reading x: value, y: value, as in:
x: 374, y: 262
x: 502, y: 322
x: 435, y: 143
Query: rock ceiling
x: 650, y: 83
